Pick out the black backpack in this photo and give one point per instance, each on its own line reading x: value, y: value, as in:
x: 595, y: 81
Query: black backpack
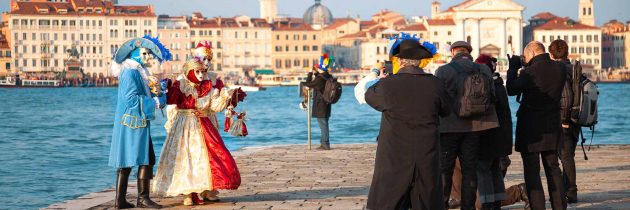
x: 332, y: 91
x: 475, y: 92
x: 584, y: 111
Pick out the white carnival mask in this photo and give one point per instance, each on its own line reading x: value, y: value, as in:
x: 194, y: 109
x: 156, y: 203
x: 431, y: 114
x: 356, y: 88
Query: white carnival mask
x: 146, y: 57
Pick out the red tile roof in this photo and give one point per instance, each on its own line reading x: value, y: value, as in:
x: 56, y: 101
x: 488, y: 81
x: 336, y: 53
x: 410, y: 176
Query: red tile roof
x: 360, y: 34
x: 339, y: 22
x: 73, y: 7
x: 544, y: 16
x: 413, y: 27
x: 440, y: 22
x: 291, y: 26
x: 560, y: 23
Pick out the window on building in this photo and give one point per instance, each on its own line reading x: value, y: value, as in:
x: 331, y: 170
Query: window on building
x: 286, y: 37
x: 277, y: 37
x: 7, y: 66
x: 236, y: 34
x: 378, y: 50
x: 296, y: 62
x: 286, y: 48
x: 218, y: 45
x: 246, y: 35
x: 581, y: 50
x: 435, y: 33
x: 287, y: 63
x: 573, y: 50
x: 315, y: 48
x: 218, y: 34
x: 34, y: 49
x: 589, y: 50
x: 581, y: 38
x: 278, y: 63
x: 469, y: 39
x: 596, y: 50
x: 596, y: 38
x: 449, y: 33
x: 305, y: 48
x: 192, y: 33
x: 314, y: 37
x: 296, y: 48
x: 589, y: 38
x: 305, y: 63
x: 34, y: 62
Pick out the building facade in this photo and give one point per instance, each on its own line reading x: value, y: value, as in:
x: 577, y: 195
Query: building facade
x: 584, y: 41
x: 175, y: 35
x: 43, y: 32
x: 490, y: 26
x: 296, y: 46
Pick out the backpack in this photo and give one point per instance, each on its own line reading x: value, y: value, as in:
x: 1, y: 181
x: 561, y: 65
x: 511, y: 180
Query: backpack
x: 475, y: 92
x: 584, y: 111
x: 567, y: 102
x: 332, y: 91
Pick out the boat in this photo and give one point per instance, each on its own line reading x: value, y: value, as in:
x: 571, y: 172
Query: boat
x: 269, y: 80
x: 8, y: 82
x: 247, y: 88
x: 41, y: 83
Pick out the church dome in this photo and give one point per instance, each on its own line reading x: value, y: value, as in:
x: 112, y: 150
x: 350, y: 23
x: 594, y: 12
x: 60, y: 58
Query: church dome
x: 318, y: 15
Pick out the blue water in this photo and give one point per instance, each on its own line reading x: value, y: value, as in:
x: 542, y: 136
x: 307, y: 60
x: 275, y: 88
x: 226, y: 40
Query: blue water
x: 54, y: 143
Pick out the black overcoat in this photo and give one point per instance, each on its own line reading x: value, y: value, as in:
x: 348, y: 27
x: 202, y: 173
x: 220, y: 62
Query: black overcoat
x: 317, y: 82
x: 497, y: 142
x: 408, y: 151
x: 538, y: 125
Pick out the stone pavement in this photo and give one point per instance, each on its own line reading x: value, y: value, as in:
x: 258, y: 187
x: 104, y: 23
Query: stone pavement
x: 292, y: 177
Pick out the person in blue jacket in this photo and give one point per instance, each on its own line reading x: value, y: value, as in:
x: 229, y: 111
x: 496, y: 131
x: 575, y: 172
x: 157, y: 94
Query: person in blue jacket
x: 138, y: 98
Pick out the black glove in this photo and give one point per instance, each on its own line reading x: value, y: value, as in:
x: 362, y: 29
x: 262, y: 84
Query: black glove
x: 515, y: 62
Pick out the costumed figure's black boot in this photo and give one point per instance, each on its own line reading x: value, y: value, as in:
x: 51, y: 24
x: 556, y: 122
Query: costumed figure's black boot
x: 121, y: 189
x: 145, y: 173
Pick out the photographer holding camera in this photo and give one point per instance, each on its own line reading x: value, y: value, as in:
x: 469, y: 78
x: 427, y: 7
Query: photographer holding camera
x: 538, y: 126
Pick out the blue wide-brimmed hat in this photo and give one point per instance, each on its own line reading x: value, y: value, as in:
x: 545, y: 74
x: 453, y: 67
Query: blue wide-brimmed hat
x: 157, y: 49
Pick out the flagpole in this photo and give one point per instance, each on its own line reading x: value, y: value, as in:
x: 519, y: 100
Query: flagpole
x: 308, y: 123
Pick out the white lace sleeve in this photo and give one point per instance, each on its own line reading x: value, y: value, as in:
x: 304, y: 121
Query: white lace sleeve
x: 220, y: 99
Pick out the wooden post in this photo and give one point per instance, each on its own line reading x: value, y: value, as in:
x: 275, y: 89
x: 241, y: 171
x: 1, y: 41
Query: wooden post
x: 308, y: 113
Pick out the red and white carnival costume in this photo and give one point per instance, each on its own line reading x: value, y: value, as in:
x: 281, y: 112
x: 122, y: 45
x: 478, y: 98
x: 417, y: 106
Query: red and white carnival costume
x: 194, y: 158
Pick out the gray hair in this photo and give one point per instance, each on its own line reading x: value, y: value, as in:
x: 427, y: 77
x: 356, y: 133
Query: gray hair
x: 408, y: 62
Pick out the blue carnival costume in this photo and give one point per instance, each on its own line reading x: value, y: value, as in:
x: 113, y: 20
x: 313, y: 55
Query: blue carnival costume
x: 138, y: 97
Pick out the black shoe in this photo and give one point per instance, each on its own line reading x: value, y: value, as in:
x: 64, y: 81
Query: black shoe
x: 454, y: 204
x: 523, y: 190
x: 572, y: 200
x: 323, y: 147
x: 487, y: 206
x: 144, y: 186
x: 121, y: 189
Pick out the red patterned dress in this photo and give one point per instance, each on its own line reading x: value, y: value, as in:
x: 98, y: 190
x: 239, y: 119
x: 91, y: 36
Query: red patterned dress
x: 194, y: 158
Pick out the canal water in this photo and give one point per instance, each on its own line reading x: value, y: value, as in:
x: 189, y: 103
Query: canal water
x: 54, y: 143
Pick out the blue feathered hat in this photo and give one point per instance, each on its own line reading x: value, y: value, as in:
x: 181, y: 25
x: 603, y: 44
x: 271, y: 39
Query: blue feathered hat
x: 396, y: 40
x: 153, y: 44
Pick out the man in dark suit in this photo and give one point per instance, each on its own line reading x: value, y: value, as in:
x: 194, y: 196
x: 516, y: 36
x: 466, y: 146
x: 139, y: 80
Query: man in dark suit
x: 538, y: 126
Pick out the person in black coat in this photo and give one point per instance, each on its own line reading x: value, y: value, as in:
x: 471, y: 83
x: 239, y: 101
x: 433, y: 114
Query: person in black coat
x: 538, y: 126
x: 321, y: 110
x: 494, y: 144
x: 559, y: 51
x: 407, y: 165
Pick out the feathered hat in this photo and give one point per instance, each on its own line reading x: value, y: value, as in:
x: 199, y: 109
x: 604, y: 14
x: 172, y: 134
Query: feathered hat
x: 153, y: 44
x: 203, y: 50
x: 325, y: 62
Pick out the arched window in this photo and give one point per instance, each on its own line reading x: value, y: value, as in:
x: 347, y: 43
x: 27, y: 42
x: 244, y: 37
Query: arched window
x: 589, y: 11
x: 583, y: 11
x: 510, y: 39
x: 468, y: 39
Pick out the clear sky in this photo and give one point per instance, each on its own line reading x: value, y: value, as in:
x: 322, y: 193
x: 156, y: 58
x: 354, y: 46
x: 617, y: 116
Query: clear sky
x: 605, y: 10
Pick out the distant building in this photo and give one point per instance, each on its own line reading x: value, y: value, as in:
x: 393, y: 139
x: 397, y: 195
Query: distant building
x: 296, y: 46
x: 268, y: 10
x: 318, y: 16
x: 586, y: 13
x: 246, y: 44
x: 207, y: 29
x: 174, y: 33
x: 5, y: 58
x: 491, y: 27
x: 41, y: 32
x: 609, y: 50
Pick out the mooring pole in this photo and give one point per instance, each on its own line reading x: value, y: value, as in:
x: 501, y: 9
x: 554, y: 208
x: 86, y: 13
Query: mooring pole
x: 308, y: 113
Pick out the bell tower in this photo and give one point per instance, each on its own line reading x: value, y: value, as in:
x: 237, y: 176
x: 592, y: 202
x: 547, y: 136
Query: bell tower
x: 587, y: 12
x: 268, y: 10
x: 435, y: 9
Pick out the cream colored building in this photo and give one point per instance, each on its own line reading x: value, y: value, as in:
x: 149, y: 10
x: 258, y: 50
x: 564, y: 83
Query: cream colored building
x: 621, y: 40
x: 246, y: 44
x: 490, y: 26
x: 584, y: 41
x: 5, y: 58
x: 296, y: 46
x: 208, y: 30
x: 41, y: 32
x: 174, y: 33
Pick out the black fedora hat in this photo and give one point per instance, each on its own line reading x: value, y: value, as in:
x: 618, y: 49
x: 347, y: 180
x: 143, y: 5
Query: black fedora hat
x: 412, y: 49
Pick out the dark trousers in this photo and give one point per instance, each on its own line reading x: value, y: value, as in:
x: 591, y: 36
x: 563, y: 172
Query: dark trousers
x: 567, y: 157
x: 535, y: 192
x: 490, y: 180
x: 323, y: 126
x: 463, y: 146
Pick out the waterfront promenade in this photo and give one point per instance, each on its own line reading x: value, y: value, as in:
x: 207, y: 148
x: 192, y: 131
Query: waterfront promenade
x: 292, y: 177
